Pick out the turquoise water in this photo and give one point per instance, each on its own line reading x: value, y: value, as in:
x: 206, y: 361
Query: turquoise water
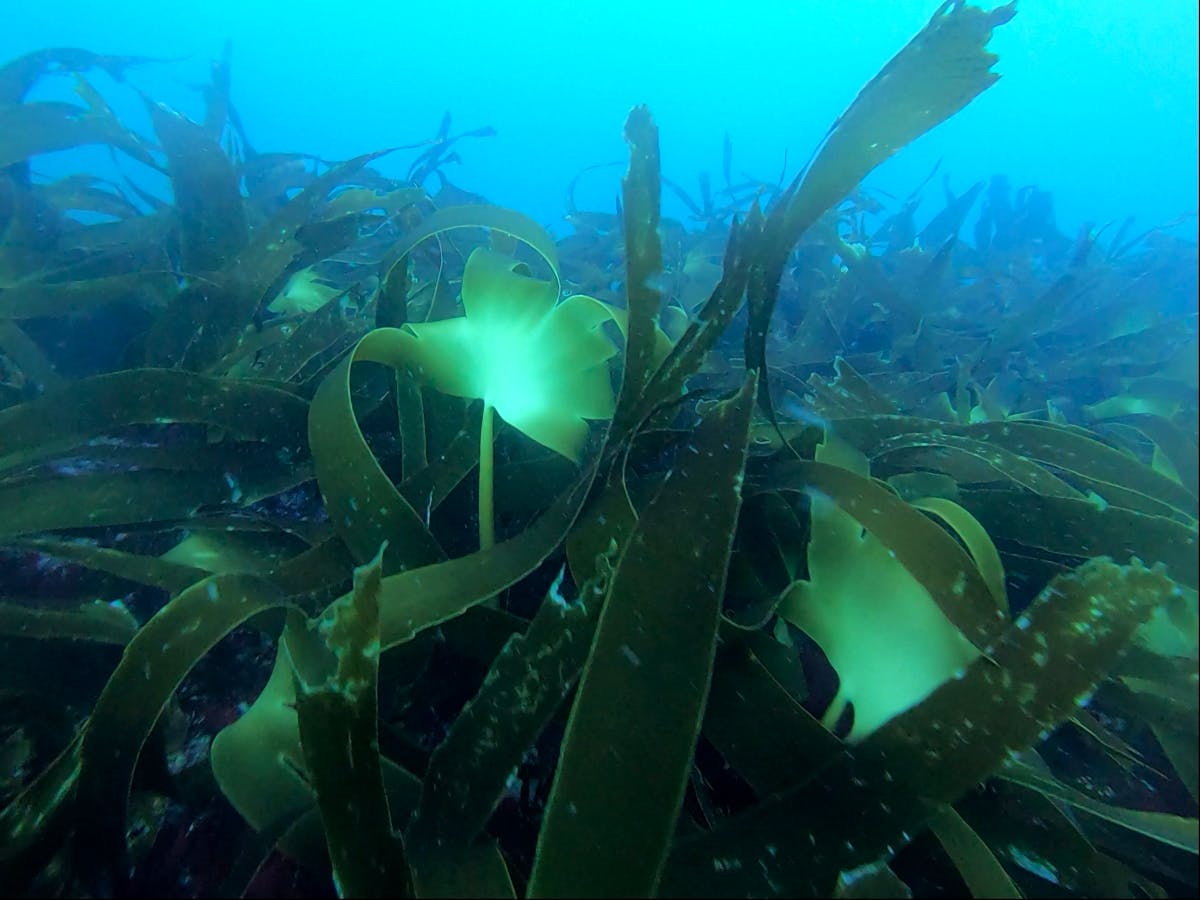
x: 1097, y: 102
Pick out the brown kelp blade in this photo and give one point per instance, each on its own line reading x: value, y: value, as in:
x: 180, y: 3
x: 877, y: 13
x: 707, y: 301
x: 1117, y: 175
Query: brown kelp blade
x: 935, y: 75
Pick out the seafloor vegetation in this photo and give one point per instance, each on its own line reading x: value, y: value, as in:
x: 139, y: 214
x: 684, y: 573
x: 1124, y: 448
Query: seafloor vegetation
x: 794, y: 552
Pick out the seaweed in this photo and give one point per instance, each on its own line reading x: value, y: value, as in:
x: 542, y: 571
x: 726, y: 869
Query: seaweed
x: 926, y: 622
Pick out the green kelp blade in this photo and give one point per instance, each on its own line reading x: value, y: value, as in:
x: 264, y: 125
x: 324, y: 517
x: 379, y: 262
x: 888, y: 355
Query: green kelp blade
x: 23, y: 352
x: 211, y: 316
x: 35, y: 298
x: 258, y: 761
x: 1174, y: 443
x: 417, y: 599
x: 156, y: 661
x: 363, y: 504
x: 429, y: 485
x: 977, y: 541
x: 96, y: 621
x: 475, y: 871
x: 877, y: 799
x: 151, y: 570
x: 94, y: 500
x: 631, y: 734
x: 925, y: 549
x: 323, y: 334
x: 1055, y: 853
x: 18, y: 76
x: 86, y: 409
x: 969, y: 459
x: 980, y: 869
x: 759, y: 726
x: 1177, y: 831
x: 34, y: 822
x: 688, y: 354
x: 609, y: 517
x: 640, y: 191
x: 482, y: 215
x: 524, y: 687
x: 942, y: 69
x: 337, y: 676
x: 33, y: 644
x: 1080, y: 455
x: 31, y: 129
x: 1085, y: 528
x: 204, y: 183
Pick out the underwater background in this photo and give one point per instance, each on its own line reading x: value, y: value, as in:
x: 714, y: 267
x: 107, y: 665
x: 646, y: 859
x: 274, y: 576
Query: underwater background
x: 599, y: 449
x: 1098, y: 104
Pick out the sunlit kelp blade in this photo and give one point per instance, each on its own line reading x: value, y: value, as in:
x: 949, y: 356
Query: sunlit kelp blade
x: 620, y: 782
x: 797, y: 842
x: 923, y: 548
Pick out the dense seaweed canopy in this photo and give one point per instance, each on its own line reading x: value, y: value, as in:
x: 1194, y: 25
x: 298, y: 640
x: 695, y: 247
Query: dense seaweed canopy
x: 364, y: 538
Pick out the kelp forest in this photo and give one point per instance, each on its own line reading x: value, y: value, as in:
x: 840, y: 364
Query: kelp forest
x: 359, y: 537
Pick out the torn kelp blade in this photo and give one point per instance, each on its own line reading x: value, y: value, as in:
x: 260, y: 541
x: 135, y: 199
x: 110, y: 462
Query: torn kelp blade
x: 942, y: 69
x: 641, y: 190
x: 524, y: 687
x: 632, y: 730
x: 873, y: 801
x: 337, y: 686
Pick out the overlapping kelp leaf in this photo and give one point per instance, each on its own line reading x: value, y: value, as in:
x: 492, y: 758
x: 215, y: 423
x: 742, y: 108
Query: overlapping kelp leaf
x: 638, y: 687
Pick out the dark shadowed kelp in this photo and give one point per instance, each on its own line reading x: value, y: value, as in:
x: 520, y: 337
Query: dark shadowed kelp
x: 592, y: 666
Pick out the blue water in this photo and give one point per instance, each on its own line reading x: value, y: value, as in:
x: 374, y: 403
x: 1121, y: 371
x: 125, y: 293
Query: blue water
x: 1098, y: 99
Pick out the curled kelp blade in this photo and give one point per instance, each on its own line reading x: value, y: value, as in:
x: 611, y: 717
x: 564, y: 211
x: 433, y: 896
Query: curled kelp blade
x: 504, y: 221
x: 90, y: 781
x: 364, y: 505
x: 926, y: 550
x: 797, y: 842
